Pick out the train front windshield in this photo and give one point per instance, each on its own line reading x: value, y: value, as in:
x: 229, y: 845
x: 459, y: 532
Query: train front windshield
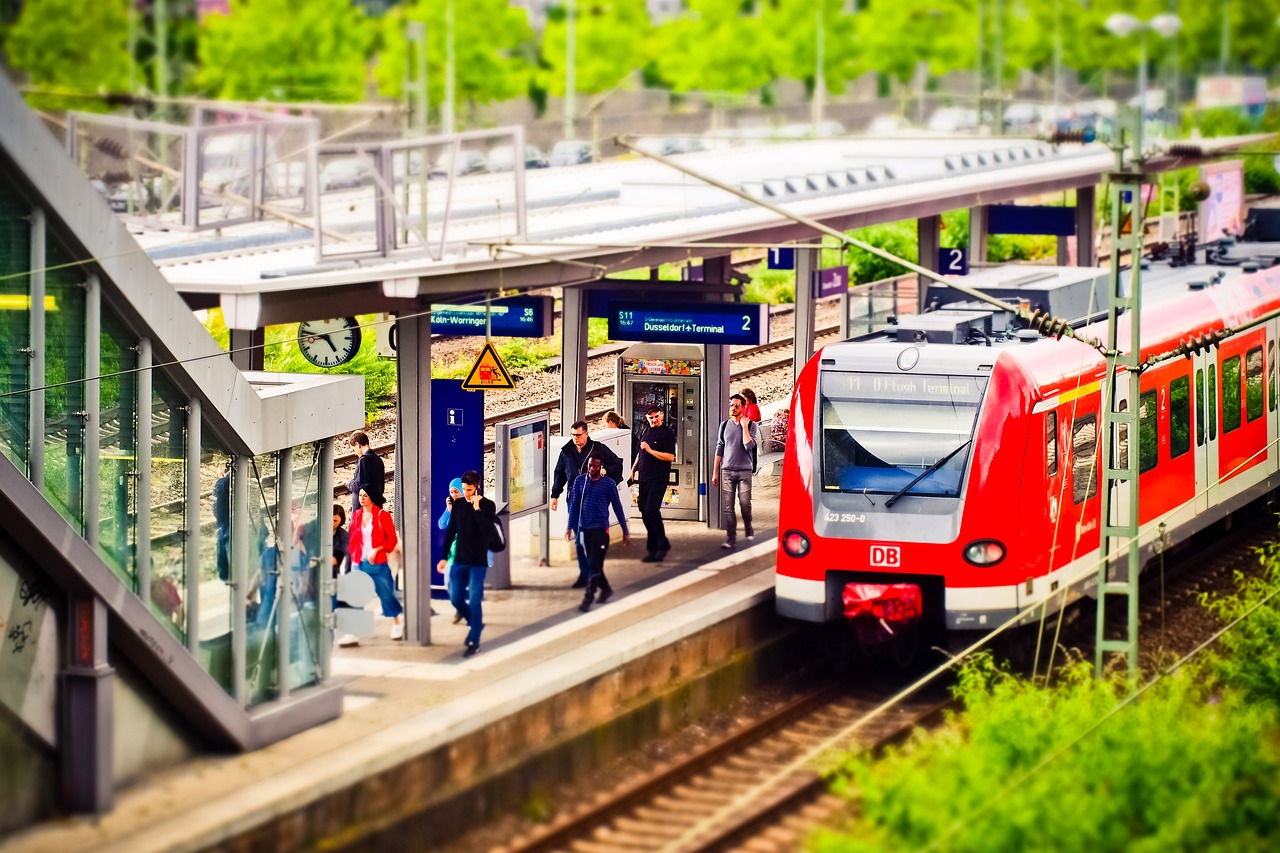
x: 881, y: 431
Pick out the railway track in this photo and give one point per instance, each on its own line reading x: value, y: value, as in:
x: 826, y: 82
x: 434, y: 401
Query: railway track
x: 756, y: 785
x: 758, y: 790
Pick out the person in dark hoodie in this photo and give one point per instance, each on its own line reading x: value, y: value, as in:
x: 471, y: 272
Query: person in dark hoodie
x: 470, y: 522
x: 370, y: 472
x: 571, y: 462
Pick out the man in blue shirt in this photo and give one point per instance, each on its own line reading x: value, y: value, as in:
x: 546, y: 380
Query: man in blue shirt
x: 590, y: 497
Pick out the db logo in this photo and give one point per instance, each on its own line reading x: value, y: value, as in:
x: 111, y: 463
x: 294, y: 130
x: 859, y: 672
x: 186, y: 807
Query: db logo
x: 886, y: 555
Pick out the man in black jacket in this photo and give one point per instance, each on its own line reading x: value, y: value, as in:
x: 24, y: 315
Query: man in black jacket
x: 470, y: 523
x: 571, y: 462
x: 371, y: 474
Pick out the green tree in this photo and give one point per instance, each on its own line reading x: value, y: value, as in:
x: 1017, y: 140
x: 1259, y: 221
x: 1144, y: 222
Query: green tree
x: 286, y: 50
x: 489, y: 40
x: 895, y: 36
x: 73, y: 45
x: 713, y: 48
x: 793, y: 29
x: 612, y: 42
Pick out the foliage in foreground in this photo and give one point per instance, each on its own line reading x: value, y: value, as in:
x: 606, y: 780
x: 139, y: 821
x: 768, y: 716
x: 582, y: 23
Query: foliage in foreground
x: 1192, y: 764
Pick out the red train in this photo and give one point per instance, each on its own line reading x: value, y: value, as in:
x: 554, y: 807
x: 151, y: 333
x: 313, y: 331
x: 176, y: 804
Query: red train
x: 930, y: 482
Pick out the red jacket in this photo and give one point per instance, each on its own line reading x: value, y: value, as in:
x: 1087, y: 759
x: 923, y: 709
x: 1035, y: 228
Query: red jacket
x: 383, y: 536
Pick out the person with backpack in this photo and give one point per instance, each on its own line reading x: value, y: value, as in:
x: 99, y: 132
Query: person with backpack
x: 590, y: 497
x: 473, y: 525
x: 735, y: 463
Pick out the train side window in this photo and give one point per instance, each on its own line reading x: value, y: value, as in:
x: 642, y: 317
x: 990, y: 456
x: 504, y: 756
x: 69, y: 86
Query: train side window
x: 1199, y: 407
x: 1051, y: 442
x: 1271, y: 363
x: 1179, y: 416
x: 1253, y: 404
x: 1148, y: 439
x: 1213, y: 402
x: 1084, y: 458
x: 1230, y: 394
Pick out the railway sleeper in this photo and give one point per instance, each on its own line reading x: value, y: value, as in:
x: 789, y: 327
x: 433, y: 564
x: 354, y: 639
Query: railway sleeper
x: 695, y: 792
x: 668, y: 804
x: 642, y: 840
x: 677, y: 812
x: 657, y: 826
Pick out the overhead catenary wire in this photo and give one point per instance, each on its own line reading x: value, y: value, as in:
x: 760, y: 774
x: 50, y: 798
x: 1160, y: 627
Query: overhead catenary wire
x: 1040, y: 321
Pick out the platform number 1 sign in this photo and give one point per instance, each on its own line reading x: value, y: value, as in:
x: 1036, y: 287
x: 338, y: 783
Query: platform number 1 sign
x: 953, y: 261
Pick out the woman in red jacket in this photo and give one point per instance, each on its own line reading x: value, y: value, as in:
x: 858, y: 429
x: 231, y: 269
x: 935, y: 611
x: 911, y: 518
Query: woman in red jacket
x: 373, y: 536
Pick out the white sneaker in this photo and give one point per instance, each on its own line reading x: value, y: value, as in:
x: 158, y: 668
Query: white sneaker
x: 397, y: 629
x: 346, y: 641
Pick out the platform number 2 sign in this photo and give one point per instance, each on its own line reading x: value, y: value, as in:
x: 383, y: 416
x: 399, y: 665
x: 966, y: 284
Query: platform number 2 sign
x: 953, y: 261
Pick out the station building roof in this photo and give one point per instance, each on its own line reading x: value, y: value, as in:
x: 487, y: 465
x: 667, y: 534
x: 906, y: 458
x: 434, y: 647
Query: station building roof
x: 584, y: 222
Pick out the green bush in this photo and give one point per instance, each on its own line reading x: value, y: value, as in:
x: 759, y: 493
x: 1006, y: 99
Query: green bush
x: 1248, y: 656
x: 1181, y: 768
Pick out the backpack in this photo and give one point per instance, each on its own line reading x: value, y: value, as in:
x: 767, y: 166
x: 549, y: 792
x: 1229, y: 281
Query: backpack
x: 495, y: 541
x: 755, y: 460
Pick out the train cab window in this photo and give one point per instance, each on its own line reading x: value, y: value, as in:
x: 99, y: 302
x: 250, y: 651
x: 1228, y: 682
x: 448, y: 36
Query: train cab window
x: 1253, y: 404
x: 1199, y: 407
x: 1051, y: 442
x: 1212, y: 394
x: 1148, y: 432
x: 1271, y: 362
x: 881, y: 432
x: 1230, y: 393
x: 1179, y: 416
x: 1084, y: 458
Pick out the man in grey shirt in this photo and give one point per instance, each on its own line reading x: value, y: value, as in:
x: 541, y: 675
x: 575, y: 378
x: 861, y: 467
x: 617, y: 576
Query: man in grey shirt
x: 735, y: 463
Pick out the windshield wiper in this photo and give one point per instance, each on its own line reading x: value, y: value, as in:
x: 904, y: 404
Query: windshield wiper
x: 925, y: 473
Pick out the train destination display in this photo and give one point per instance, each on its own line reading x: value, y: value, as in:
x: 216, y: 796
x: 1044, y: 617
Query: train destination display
x: 690, y: 322
x: 515, y: 317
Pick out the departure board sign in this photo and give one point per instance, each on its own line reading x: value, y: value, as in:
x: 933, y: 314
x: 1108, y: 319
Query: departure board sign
x: 690, y: 322
x: 514, y: 317
x: 911, y: 387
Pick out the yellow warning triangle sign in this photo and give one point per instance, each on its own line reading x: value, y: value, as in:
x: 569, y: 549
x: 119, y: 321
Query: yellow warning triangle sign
x: 488, y: 372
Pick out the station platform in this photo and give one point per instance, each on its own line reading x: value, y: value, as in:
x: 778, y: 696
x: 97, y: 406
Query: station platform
x: 412, y: 714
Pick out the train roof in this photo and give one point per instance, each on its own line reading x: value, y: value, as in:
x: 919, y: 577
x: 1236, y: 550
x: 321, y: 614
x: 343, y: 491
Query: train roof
x: 1170, y: 317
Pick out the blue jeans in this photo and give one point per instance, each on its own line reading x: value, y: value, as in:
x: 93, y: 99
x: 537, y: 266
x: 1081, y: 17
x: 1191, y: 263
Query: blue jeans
x: 266, y: 599
x: 466, y: 592
x: 384, y: 585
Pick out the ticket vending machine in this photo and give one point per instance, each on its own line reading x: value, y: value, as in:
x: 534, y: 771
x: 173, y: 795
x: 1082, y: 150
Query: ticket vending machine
x: 669, y: 377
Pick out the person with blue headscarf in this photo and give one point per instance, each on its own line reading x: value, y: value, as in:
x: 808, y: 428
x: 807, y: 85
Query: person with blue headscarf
x: 455, y: 493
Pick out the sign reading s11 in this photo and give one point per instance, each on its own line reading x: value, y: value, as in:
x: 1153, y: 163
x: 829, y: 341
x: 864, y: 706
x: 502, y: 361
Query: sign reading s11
x: 690, y: 322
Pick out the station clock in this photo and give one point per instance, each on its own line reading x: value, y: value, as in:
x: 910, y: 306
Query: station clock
x: 329, y: 343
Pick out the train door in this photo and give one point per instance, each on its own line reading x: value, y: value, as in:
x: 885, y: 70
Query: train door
x: 1124, y: 444
x: 1206, y: 428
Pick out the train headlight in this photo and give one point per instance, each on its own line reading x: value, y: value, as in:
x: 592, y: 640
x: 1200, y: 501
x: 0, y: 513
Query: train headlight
x: 795, y: 543
x: 984, y: 552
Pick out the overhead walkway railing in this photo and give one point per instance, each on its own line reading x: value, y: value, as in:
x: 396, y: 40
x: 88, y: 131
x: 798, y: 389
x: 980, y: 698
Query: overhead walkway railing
x: 172, y: 511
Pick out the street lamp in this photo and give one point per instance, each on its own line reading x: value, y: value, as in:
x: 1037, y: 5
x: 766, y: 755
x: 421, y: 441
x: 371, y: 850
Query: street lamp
x: 1123, y: 25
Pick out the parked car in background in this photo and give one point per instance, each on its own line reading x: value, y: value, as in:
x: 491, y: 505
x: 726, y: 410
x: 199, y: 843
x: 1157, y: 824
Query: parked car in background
x: 807, y: 130
x: 572, y: 152
x: 887, y: 125
x: 503, y: 158
x: 345, y: 173
x: 667, y: 145
x: 469, y: 163
x: 953, y: 120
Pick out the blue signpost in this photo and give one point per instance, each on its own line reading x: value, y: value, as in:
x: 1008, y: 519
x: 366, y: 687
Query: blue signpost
x: 831, y: 281
x: 690, y: 322
x: 953, y: 261
x: 515, y: 317
x: 782, y: 259
x: 457, y: 445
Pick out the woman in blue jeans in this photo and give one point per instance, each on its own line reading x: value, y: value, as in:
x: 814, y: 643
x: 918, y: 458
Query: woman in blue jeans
x: 373, y: 536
